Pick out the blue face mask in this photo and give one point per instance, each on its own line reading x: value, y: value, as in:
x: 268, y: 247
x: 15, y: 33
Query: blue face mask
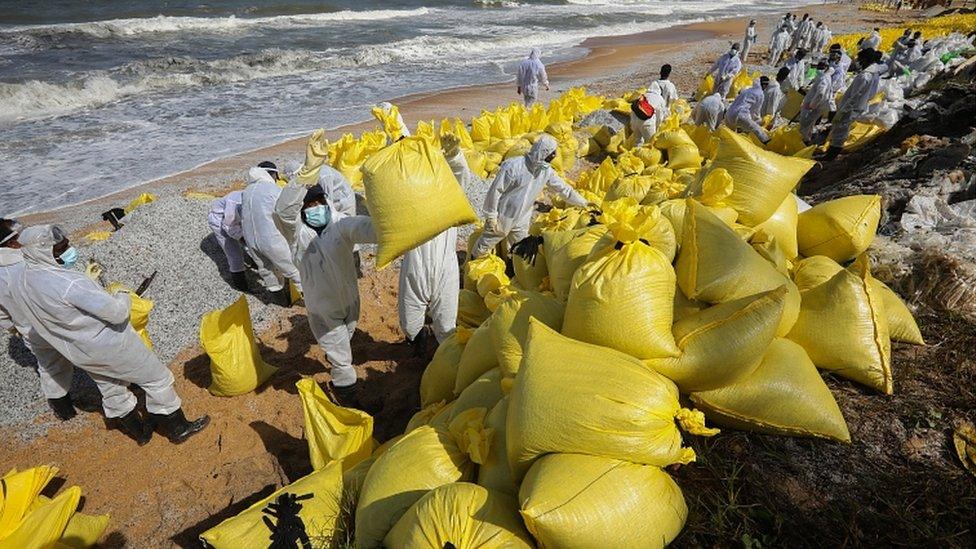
x: 69, y: 257
x: 318, y: 216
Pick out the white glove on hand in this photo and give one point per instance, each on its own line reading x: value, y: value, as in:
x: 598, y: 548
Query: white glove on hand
x: 491, y: 225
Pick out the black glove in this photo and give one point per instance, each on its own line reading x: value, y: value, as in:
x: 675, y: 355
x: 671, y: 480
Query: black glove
x: 528, y: 248
x: 543, y: 207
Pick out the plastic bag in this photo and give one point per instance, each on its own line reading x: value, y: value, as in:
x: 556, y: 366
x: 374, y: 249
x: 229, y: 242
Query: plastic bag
x: 840, y: 229
x: 413, y: 197
x: 437, y: 382
x: 319, y: 513
x: 724, y: 343
x: 573, y: 397
x: 716, y: 266
x: 235, y: 362
x: 785, y: 395
x: 572, y: 500
x: 762, y: 178
x: 461, y: 515
x: 334, y: 433
x: 485, y: 274
x: 565, y: 252
x: 477, y: 358
x: 495, y: 473
x: 83, y: 531
x: 622, y: 299
x: 510, y: 325
x: 141, y: 200
x: 843, y: 327
x: 422, y: 460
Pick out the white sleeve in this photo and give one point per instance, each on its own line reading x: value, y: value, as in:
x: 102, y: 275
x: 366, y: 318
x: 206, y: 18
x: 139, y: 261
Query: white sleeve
x: 494, y: 193
x: 557, y: 186
x: 91, y: 299
x: 543, y: 75
x: 357, y: 230
x: 288, y: 207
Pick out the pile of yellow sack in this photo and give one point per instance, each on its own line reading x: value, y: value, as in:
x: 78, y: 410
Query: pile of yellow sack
x: 29, y: 520
x: 930, y: 28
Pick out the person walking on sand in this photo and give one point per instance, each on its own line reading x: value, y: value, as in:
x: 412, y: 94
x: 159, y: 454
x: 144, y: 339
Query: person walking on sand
x: 821, y: 36
x: 725, y: 69
x: 709, y: 111
x: 53, y: 370
x: 91, y: 328
x: 664, y: 86
x: 511, y: 196
x: 749, y: 40
x: 777, y: 45
x: 801, y: 35
x: 531, y: 74
x: 267, y: 245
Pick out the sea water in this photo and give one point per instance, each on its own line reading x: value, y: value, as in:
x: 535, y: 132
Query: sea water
x: 100, y: 96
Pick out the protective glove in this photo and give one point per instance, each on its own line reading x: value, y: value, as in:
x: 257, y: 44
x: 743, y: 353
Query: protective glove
x: 491, y: 225
x: 93, y: 270
x: 316, y: 151
x: 528, y: 248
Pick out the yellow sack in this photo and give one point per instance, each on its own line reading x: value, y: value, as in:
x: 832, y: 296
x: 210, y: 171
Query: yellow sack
x: 334, y: 433
x: 352, y: 480
x: 630, y: 186
x: 141, y: 200
x: 840, y: 229
x: 784, y: 396
x: 531, y: 276
x: 471, y: 309
x: 461, y: 515
x: 236, y: 366
x: 483, y: 392
x: 565, y: 252
x: 477, y: 358
x: 791, y: 106
x: 762, y: 179
x: 785, y: 140
x: 741, y: 81
x: 139, y: 310
x: 509, y: 325
x: 623, y: 299
x: 413, y: 197
x: 588, y: 502
x: 705, y: 87
x: 573, y: 397
x: 422, y: 460
x: 816, y: 270
x: 556, y: 219
x: 98, y: 236
x: 716, y: 266
x: 702, y: 137
x: 20, y: 489
x: 861, y: 133
x: 495, y: 473
x: 437, y: 381
x: 782, y: 226
x: 316, y: 152
x: 682, y: 150
x: 390, y: 121
x: 485, y: 274
x: 83, y: 531
x: 843, y: 327
x: 319, y: 513
x: 628, y: 221
x: 724, y: 343
x: 45, y: 523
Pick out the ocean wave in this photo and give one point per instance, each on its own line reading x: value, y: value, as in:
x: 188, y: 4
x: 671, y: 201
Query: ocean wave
x: 115, y: 28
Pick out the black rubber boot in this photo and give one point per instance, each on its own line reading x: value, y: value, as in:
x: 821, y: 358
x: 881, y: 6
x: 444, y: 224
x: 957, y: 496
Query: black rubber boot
x: 238, y: 281
x: 175, y: 426
x: 419, y: 343
x: 348, y: 396
x: 832, y: 153
x: 138, y: 430
x: 282, y: 297
x: 359, y: 263
x: 62, y: 407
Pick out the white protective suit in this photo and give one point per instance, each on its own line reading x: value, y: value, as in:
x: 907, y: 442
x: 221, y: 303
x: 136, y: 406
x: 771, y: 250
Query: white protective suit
x: 773, y: 99
x: 900, y: 44
x: 708, y: 112
x: 90, y: 328
x: 724, y: 71
x: 778, y: 44
x: 904, y: 59
x: 430, y: 280
x: 745, y: 113
x: 821, y: 37
x: 854, y: 103
x: 511, y: 196
x: 816, y: 104
x: 748, y: 41
x: 644, y: 130
x: 872, y: 41
x: 802, y: 35
x: 531, y: 74
x: 55, y: 372
x: 838, y: 78
x: 225, y: 222
x: 666, y: 89
x: 339, y: 197
x: 268, y: 246
x: 798, y: 74
x: 332, y: 291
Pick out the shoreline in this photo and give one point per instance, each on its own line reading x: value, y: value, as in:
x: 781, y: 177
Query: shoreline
x: 605, y: 57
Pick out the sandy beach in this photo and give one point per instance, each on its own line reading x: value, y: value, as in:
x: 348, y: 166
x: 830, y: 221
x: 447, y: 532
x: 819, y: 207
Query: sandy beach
x: 166, y: 495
